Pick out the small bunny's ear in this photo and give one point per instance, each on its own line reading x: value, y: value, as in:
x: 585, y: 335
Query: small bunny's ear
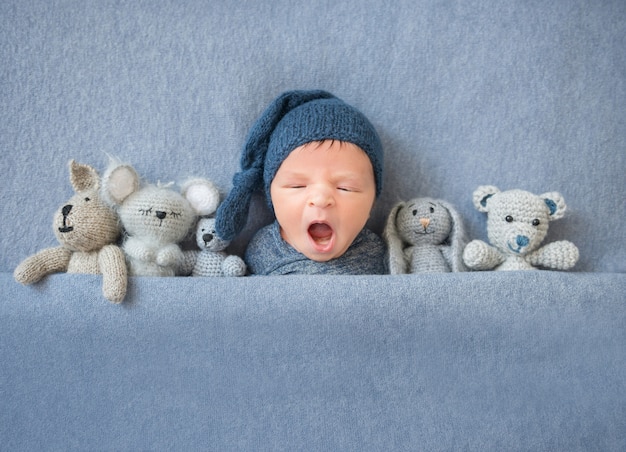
x: 397, y: 263
x: 457, y: 239
x: 83, y: 177
x: 202, y: 194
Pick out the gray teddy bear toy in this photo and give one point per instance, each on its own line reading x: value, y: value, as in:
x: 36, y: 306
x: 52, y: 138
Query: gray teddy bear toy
x: 517, y: 223
x: 424, y: 235
x: 211, y: 260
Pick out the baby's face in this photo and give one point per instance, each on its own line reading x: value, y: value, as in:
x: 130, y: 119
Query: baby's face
x: 323, y: 194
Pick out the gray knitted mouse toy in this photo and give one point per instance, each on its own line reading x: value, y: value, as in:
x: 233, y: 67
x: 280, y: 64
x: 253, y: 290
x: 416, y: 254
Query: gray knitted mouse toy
x: 424, y: 235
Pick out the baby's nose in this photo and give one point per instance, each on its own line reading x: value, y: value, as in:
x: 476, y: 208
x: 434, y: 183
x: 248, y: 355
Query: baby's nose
x: 321, y: 197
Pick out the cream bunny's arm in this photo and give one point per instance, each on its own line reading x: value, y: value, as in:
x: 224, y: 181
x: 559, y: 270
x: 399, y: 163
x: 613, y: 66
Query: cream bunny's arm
x: 46, y: 261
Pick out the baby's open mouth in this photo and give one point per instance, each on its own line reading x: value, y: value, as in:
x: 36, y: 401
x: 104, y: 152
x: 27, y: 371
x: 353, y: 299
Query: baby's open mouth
x: 321, y: 233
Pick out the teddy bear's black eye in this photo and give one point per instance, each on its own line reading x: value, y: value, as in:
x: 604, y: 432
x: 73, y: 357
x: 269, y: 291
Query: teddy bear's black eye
x: 536, y: 222
x: 509, y: 219
x: 87, y: 199
x: 414, y: 212
x: 432, y: 210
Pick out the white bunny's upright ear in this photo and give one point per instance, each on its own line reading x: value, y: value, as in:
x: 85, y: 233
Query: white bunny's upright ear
x: 395, y: 246
x: 202, y: 194
x: 119, y: 182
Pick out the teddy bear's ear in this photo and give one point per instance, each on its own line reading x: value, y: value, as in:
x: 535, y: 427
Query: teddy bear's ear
x: 119, y: 182
x: 83, y: 177
x: 482, y: 195
x: 202, y: 194
x: 555, y: 203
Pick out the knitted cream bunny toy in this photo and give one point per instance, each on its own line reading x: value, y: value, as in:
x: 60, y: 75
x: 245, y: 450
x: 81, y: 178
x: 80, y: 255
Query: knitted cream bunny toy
x: 424, y: 235
x: 212, y: 260
x: 87, y: 229
x: 156, y: 218
x: 517, y: 223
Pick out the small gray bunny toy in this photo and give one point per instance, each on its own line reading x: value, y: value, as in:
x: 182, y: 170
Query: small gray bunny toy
x: 424, y: 235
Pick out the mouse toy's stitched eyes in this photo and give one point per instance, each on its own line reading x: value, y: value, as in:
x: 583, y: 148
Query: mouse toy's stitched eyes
x: 146, y: 211
x: 509, y: 219
x: 536, y: 222
x: 175, y: 214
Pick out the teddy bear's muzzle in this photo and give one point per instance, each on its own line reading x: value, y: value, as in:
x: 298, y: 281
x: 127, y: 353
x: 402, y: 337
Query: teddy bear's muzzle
x: 521, y: 242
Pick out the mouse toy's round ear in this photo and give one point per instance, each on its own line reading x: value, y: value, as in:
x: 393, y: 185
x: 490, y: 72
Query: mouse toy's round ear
x: 119, y: 182
x: 202, y: 194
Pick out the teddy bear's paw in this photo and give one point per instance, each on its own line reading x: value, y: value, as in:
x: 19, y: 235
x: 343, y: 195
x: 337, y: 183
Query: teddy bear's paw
x: 560, y: 255
x: 234, y: 266
x: 478, y: 255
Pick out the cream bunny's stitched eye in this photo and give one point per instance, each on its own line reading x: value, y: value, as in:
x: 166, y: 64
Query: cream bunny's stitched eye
x: 509, y: 219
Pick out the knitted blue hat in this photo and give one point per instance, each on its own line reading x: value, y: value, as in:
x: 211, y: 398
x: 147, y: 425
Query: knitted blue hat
x: 291, y: 120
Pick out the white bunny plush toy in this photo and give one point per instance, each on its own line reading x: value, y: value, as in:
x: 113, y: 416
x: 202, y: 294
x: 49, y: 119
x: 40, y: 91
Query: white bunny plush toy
x: 156, y: 218
x: 424, y: 235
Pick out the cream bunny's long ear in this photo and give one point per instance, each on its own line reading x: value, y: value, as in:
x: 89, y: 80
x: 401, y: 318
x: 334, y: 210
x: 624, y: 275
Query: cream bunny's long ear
x: 457, y: 239
x: 83, y: 177
x: 395, y: 247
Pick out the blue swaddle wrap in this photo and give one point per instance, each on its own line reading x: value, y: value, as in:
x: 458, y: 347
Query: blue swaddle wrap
x: 268, y: 254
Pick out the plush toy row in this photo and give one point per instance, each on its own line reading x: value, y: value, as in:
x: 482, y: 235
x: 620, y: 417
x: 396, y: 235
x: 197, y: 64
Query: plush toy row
x: 423, y: 235
x: 427, y: 235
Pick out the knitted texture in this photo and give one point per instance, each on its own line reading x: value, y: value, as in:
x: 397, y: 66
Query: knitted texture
x: 87, y: 229
x: 269, y: 254
x: 156, y: 218
x: 212, y: 260
x: 424, y: 235
x: 293, y: 119
x: 517, y: 223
